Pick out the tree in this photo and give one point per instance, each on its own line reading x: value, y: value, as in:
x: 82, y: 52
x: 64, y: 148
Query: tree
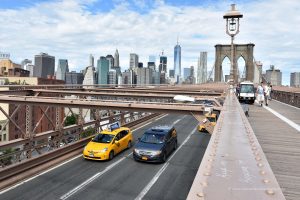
x: 70, y: 120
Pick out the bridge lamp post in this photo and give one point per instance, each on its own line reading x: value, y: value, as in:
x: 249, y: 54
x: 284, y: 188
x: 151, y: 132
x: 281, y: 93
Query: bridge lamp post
x: 233, y: 28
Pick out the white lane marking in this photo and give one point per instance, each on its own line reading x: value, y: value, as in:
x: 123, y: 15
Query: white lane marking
x: 151, y: 183
x: 183, y: 143
x: 162, y: 169
x: 88, y: 181
x: 176, y: 121
x: 162, y: 117
x: 286, y: 104
x: 78, y: 156
x: 286, y: 120
x: 44, y: 172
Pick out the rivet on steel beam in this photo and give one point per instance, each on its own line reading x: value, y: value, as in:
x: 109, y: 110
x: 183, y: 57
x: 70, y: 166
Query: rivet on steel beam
x: 262, y: 172
x: 210, y: 160
x: 270, y: 192
x: 257, y: 158
x: 260, y: 165
x: 206, y: 174
x: 266, y: 181
x: 254, y: 148
x: 204, y: 184
x: 200, y: 194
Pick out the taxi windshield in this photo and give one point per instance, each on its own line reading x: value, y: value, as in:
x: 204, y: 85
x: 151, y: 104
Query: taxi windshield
x: 211, y: 119
x: 103, y: 138
x: 153, y: 138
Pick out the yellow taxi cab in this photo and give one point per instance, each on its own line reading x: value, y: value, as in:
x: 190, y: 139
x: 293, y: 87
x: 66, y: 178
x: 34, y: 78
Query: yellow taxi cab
x: 212, y: 118
x: 108, y: 143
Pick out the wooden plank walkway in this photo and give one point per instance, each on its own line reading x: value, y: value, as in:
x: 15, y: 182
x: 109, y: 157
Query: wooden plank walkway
x: 281, y: 145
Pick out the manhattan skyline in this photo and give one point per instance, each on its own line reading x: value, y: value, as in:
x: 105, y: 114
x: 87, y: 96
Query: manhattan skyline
x: 146, y: 28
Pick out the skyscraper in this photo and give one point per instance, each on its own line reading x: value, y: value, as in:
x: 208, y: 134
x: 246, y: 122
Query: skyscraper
x: 30, y: 68
x: 202, y: 68
x: 155, y: 77
x: 163, y: 61
x: 112, y: 77
x: 91, y: 60
x: 295, y: 79
x: 171, y: 73
x: 44, y: 65
x: 134, y: 61
x: 127, y: 77
x: 74, y: 78
x: 110, y: 59
x: 116, y: 59
x: 62, y: 69
x: 151, y: 65
x: 102, y: 70
x: 24, y: 62
x: 186, y: 73
x: 90, y: 76
x: 177, y: 61
x: 144, y: 76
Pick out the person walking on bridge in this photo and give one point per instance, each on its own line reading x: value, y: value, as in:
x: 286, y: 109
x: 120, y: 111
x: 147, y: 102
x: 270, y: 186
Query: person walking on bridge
x: 260, y: 94
x: 267, y: 91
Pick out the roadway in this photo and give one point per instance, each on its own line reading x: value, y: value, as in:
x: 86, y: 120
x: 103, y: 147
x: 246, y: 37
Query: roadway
x: 277, y: 128
x: 123, y: 178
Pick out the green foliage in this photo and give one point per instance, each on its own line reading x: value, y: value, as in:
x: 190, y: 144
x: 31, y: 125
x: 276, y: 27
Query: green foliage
x: 70, y: 120
x: 7, y: 159
x: 87, y: 132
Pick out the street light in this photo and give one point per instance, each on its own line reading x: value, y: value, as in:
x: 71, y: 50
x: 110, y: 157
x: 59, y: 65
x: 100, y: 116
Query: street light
x: 233, y: 28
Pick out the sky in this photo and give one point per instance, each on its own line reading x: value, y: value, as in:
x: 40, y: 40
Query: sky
x: 73, y: 29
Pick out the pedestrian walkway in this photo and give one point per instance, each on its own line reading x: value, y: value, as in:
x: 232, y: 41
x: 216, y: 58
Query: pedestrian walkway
x: 280, y: 143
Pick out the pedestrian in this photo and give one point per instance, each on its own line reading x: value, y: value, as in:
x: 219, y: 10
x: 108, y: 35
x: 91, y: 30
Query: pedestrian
x: 260, y: 94
x: 238, y: 87
x: 267, y: 93
x: 271, y: 92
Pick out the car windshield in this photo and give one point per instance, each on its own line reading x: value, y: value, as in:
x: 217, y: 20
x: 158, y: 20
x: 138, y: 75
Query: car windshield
x: 247, y: 89
x: 153, y: 138
x: 103, y: 138
x: 211, y: 119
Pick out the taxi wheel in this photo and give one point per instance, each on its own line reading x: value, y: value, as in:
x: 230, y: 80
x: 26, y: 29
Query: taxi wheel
x: 111, y: 155
x: 129, y: 145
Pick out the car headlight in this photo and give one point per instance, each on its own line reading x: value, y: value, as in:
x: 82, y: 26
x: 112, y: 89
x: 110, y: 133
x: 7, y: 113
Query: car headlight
x: 101, y: 151
x: 104, y: 150
x: 136, y: 151
x: 155, y: 153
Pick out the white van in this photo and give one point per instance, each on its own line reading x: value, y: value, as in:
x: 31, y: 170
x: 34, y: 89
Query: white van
x: 246, y: 92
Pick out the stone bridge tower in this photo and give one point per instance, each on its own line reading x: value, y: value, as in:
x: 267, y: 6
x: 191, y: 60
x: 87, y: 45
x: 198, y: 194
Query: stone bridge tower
x: 239, y: 50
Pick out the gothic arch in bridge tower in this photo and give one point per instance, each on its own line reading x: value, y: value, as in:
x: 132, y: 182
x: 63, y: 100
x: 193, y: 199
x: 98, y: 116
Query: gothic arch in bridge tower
x: 239, y: 50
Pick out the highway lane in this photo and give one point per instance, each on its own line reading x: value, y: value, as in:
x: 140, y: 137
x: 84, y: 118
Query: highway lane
x: 126, y: 179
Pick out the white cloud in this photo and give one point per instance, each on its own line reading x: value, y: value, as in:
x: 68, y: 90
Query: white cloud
x: 66, y: 29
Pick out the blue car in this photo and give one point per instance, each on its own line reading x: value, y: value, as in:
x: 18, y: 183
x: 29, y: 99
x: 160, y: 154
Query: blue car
x: 156, y: 144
